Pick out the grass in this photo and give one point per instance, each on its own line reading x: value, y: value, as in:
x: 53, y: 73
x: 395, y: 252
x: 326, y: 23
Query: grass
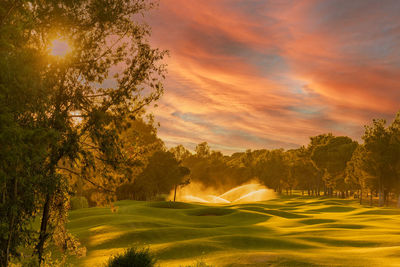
x: 289, y: 231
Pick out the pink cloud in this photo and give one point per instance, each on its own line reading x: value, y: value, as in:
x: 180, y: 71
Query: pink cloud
x: 249, y: 74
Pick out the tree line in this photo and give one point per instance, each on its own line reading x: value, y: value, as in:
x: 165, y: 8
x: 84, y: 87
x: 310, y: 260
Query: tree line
x: 328, y: 166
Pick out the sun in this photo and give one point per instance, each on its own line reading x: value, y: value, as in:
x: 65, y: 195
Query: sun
x: 60, y: 47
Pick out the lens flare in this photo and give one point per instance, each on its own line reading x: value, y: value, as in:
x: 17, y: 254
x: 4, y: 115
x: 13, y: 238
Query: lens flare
x: 60, y: 48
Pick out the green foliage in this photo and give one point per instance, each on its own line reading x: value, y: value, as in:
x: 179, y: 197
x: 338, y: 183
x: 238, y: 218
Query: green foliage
x: 133, y: 257
x: 79, y: 203
x: 162, y: 173
x: 202, y: 150
x: 331, y: 156
x: 380, y: 160
x: 180, y: 153
x: 56, y: 122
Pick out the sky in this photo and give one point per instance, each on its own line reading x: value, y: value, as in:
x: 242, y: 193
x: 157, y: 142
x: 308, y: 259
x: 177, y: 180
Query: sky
x: 252, y: 74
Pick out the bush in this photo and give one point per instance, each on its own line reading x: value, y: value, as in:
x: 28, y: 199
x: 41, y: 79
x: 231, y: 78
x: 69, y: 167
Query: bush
x: 133, y: 257
x: 79, y: 203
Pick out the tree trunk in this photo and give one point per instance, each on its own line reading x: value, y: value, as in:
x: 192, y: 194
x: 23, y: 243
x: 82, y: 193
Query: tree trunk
x: 43, y: 229
x: 398, y: 201
x: 386, y: 197
x: 370, y: 198
x: 380, y: 198
x: 175, y: 192
x: 361, y: 196
x: 11, y: 227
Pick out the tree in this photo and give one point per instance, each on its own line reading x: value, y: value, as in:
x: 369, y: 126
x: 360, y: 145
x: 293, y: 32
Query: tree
x: 161, y: 175
x: 275, y: 169
x: 304, y: 172
x: 382, y: 148
x: 376, y: 142
x: 180, y: 152
x: 59, y: 105
x: 140, y: 143
x: 202, y: 150
x: 394, y: 130
x: 182, y: 172
x: 358, y: 173
x: 331, y: 156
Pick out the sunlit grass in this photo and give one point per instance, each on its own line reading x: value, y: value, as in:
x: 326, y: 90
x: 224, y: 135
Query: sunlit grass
x: 290, y: 231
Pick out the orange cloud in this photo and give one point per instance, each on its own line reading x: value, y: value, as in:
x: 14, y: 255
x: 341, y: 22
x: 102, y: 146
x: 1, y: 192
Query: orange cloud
x: 254, y: 74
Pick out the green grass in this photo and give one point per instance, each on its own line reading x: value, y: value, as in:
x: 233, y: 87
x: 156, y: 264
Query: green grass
x: 289, y: 231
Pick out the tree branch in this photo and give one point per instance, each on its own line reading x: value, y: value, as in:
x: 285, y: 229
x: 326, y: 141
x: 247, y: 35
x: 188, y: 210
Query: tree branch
x: 85, y: 178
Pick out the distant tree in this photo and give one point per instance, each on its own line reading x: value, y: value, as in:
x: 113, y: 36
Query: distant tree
x: 180, y: 152
x: 332, y: 157
x: 275, y: 169
x: 303, y: 170
x: 162, y: 174
x: 381, y: 145
x: 358, y: 173
x: 183, y: 171
x: 203, y: 150
x: 395, y: 153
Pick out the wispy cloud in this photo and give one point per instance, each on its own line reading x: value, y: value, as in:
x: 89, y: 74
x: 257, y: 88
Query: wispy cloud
x: 253, y: 74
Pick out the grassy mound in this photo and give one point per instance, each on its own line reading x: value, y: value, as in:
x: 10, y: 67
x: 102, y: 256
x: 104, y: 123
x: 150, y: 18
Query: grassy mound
x: 291, y: 231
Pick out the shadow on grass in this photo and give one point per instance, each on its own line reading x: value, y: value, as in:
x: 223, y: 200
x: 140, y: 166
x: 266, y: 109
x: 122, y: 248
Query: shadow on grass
x: 341, y: 242
x: 317, y: 221
x: 260, y: 243
x: 335, y: 209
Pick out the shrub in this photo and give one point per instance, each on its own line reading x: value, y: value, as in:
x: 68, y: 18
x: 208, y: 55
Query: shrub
x: 79, y: 203
x: 133, y: 257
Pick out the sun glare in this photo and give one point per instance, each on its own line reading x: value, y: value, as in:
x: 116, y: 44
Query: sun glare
x: 59, y: 48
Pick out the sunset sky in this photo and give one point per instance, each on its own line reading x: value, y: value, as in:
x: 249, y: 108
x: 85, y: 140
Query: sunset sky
x: 270, y: 74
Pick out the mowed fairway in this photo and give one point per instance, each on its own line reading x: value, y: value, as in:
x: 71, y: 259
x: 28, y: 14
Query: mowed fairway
x: 293, y: 231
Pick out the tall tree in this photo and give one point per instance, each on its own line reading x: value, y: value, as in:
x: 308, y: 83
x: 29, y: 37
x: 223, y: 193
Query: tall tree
x: 180, y: 152
x: 203, y: 150
x: 382, y: 154
x: 161, y: 175
x: 332, y: 157
x: 60, y: 101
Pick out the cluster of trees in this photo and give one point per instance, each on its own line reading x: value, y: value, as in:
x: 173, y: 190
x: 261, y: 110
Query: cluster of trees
x: 329, y: 165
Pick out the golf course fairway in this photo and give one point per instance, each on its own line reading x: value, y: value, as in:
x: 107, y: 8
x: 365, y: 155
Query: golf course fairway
x: 286, y: 231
